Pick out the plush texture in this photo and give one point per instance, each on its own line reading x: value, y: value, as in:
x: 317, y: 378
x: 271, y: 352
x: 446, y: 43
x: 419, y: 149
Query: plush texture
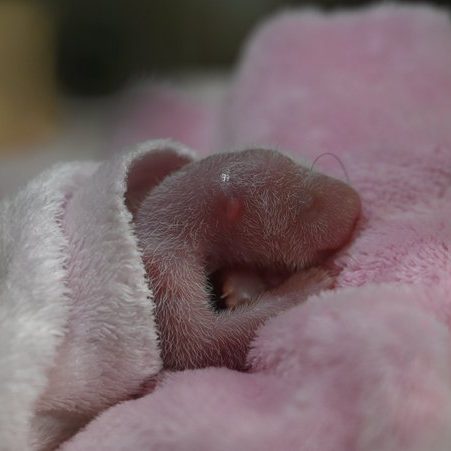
x: 366, y: 366
x: 77, y: 332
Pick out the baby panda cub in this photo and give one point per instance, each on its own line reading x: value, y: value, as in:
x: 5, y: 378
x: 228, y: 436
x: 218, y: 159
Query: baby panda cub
x: 231, y: 240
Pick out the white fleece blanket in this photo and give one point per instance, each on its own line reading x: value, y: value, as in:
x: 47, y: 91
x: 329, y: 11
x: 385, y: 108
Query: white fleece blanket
x: 77, y: 332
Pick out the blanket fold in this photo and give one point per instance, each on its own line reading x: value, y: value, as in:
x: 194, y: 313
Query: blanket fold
x: 77, y: 330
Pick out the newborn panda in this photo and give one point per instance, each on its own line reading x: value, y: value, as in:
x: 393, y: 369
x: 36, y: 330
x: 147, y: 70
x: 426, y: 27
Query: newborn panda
x: 229, y: 241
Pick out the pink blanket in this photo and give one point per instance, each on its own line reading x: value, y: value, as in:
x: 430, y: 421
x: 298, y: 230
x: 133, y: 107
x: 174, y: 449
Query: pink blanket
x: 364, y: 367
x: 367, y: 366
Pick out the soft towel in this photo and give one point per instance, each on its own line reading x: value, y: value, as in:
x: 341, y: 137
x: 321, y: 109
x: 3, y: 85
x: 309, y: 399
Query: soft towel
x: 77, y: 332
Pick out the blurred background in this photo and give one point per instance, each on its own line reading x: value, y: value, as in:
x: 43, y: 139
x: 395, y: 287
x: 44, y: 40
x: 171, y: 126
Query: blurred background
x: 65, y: 63
x: 116, y: 39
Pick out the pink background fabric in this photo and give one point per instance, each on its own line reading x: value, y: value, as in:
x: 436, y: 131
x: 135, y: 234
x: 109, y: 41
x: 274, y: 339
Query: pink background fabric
x: 366, y: 366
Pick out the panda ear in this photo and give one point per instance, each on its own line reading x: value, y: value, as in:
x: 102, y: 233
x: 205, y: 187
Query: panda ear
x: 149, y: 171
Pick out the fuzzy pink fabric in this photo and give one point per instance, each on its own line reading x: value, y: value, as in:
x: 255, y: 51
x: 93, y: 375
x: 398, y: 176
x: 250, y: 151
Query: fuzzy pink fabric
x: 367, y: 366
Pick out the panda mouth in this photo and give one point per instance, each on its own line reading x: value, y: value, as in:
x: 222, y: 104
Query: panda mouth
x: 232, y: 287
